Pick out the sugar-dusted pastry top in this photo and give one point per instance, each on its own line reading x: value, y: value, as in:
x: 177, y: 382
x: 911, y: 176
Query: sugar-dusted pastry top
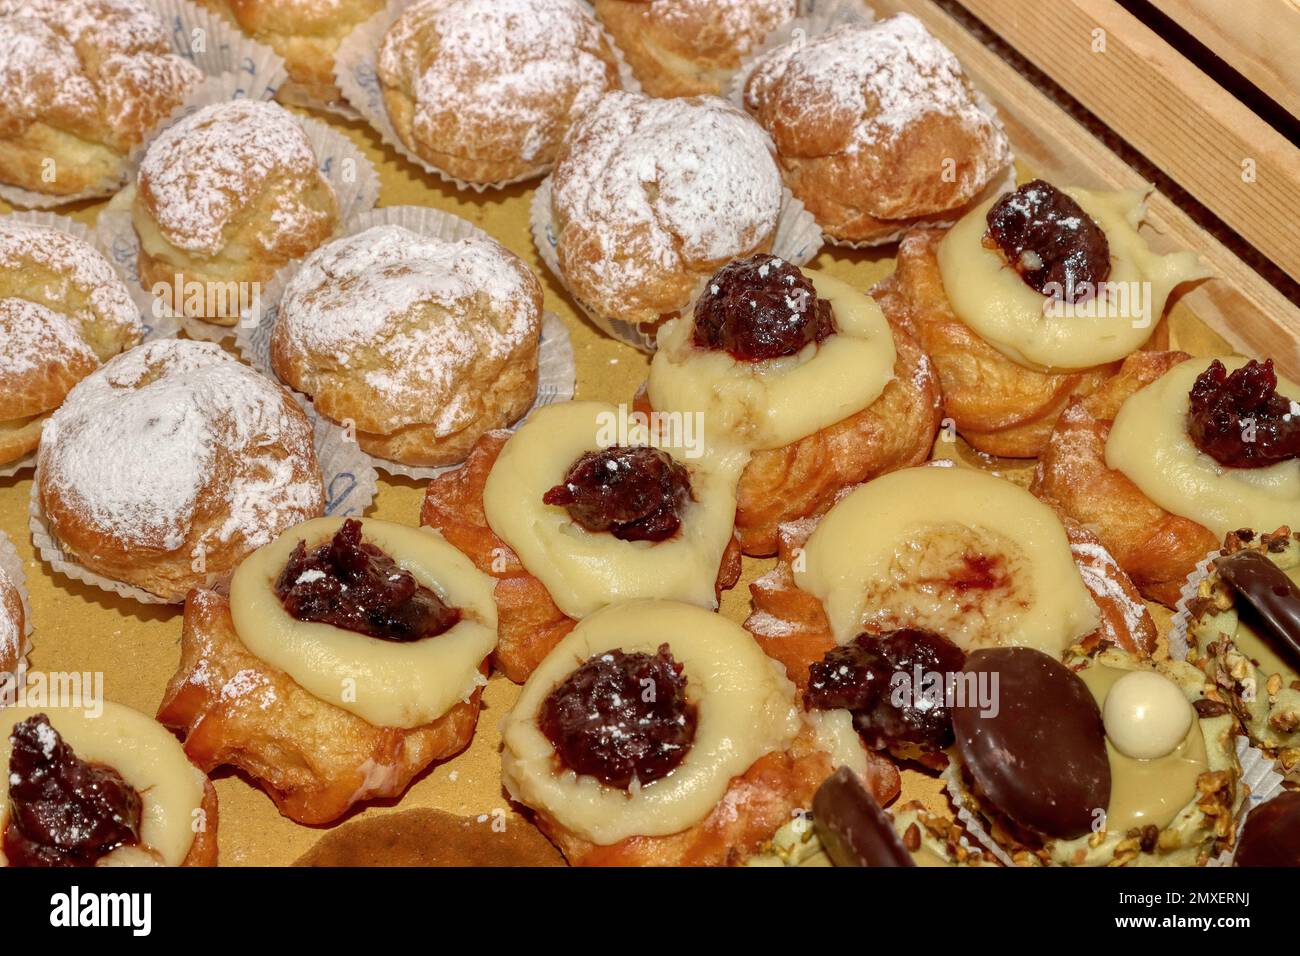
x: 175, y: 436
x: 1149, y: 443
x: 13, y: 625
x: 584, y: 570
x: 647, y: 188
x: 99, y: 68
x: 406, y: 318
x: 204, y: 172
x: 1044, y: 332
x: 497, y: 80
x: 950, y: 550
x: 744, y: 705
x: 771, y: 403
x: 725, y: 29
x: 147, y: 757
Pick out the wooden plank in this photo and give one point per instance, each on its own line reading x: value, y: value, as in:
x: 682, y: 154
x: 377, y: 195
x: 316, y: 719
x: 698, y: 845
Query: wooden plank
x: 1177, y: 117
x: 1248, y: 312
x: 1260, y: 39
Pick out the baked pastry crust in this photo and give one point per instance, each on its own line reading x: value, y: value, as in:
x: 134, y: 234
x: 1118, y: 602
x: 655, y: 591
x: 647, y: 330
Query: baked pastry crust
x: 651, y: 196
x: 84, y: 82
x: 167, y: 466
x: 1157, y: 549
x: 14, y: 642
x: 792, y: 627
x: 485, y: 90
x: 225, y: 198
x: 306, y: 33
x: 529, y: 624
x: 422, y: 344
x: 999, y: 407
x: 865, y: 116
x: 689, y: 47
x: 313, y: 759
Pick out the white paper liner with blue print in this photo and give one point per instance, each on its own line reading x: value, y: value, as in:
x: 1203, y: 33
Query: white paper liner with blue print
x: 11, y: 565
x: 216, y: 47
x: 556, y: 363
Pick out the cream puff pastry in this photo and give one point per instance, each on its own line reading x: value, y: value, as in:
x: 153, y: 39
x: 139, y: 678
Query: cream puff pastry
x: 1186, y: 452
x: 63, y: 311
x: 658, y: 733
x: 422, y: 344
x: 14, y: 642
x: 583, y: 507
x: 111, y: 788
x: 349, y: 656
x: 804, y: 374
x: 170, y: 464
x: 1031, y: 300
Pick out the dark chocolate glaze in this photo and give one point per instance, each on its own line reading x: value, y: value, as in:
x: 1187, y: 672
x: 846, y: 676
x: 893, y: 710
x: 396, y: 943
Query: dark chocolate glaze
x: 1271, y: 836
x: 1269, y: 593
x: 852, y: 828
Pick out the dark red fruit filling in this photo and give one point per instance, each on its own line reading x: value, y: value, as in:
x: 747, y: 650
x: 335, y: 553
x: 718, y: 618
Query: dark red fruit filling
x: 1240, y: 420
x: 760, y: 308
x: 1055, y: 247
x: 635, y: 493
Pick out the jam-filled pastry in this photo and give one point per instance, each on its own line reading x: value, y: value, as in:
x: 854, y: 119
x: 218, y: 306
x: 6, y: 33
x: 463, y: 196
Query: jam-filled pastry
x: 1031, y: 300
x: 85, y: 81
x: 806, y: 373
x: 570, y: 515
x: 1243, y: 631
x: 63, y: 311
x: 1162, y: 476
x: 658, y: 733
x: 306, y: 34
x: 350, y: 655
x: 877, y: 128
x: 919, y: 568
x: 690, y: 47
x: 650, y: 197
x: 106, y: 787
x: 1100, y: 760
x: 486, y: 89
x: 167, y: 466
x: 1271, y: 834
x: 423, y: 344
x: 225, y: 198
x: 14, y: 639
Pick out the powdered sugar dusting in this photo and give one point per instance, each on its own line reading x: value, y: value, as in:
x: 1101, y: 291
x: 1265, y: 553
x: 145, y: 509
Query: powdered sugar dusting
x: 10, y: 633
x: 34, y: 335
x: 364, y: 294
x: 510, y: 75
x: 138, y: 442
x: 101, y: 68
x: 203, y: 171
x: 875, y: 78
x: 740, y: 24
x: 666, y: 184
x: 1102, y: 576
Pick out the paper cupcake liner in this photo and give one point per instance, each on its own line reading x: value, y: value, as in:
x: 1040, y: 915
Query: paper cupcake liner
x: 1180, y: 624
x: 556, y: 364
x: 951, y: 778
x: 226, y: 55
x: 348, y: 170
x: 797, y: 239
x: 11, y: 565
x: 9, y: 469
x: 356, y: 72
x: 821, y: 16
x: 1259, y: 775
x: 347, y: 475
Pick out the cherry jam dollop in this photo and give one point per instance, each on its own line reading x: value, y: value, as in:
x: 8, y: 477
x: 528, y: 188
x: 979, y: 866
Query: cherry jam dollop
x: 760, y: 308
x: 1054, y: 246
x: 634, y: 492
x: 63, y: 811
x: 621, y: 717
x: 910, y: 717
x: 356, y: 586
x: 1239, y: 419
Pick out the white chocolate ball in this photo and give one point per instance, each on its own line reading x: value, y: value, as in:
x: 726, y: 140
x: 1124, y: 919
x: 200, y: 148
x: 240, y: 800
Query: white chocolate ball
x: 1146, y: 715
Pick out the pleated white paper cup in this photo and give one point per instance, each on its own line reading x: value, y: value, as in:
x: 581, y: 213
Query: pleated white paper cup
x: 11, y: 565
x: 355, y: 182
x: 219, y: 50
x: 1262, y: 782
x: 1180, y: 624
x: 356, y: 71
x: 556, y: 363
x: 797, y: 239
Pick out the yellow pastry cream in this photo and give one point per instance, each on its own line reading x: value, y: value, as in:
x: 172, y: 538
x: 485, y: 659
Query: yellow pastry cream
x: 773, y: 402
x: 1048, y: 332
x: 951, y: 550
x: 584, y: 570
x: 145, y: 755
x: 741, y: 702
x: 1150, y: 444
x: 387, y: 683
x: 1251, y: 668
